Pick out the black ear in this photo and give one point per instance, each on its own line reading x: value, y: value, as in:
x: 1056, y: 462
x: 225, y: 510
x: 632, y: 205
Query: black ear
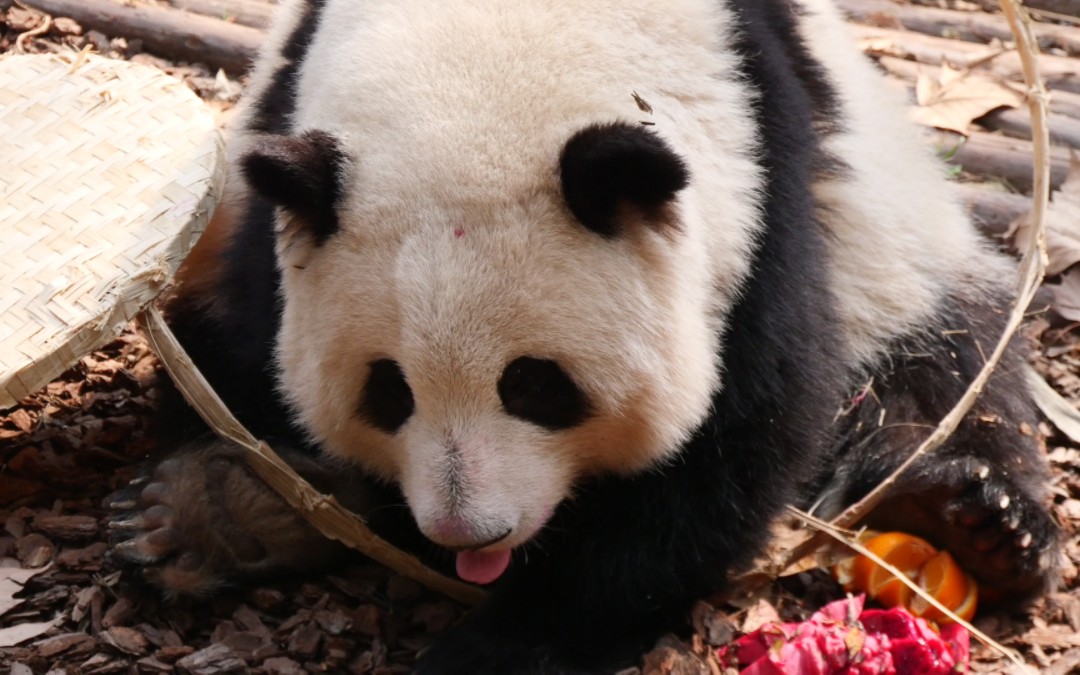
x: 611, y: 165
x: 301, y: 173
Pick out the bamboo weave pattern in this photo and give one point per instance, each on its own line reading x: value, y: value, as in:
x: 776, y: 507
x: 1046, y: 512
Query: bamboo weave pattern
x: 109, y: 172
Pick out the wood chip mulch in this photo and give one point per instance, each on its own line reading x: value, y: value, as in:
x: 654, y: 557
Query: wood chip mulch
x: 63, y: 452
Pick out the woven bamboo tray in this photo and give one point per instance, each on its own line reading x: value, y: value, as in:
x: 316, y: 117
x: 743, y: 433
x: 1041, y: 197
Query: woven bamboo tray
x: 109, y: 172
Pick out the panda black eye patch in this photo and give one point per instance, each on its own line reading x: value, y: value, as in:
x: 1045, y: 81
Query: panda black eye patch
x: 386, y: 401
x: 540, y: 392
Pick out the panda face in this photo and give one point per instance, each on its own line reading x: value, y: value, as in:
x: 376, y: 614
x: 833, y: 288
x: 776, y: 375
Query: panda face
x: 487, y: 357
x: 495, y: 287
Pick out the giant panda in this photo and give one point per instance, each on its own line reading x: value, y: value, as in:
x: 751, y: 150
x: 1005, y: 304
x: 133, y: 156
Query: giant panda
x: 594, y: 289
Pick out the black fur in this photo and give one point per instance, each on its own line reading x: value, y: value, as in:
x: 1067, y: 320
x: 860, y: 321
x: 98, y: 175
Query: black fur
x: 826, y: 109
x: 273, y: 111
x: 606, y: 166
x: 539, y: 391
x: 387, y: 401
x: 301, y: 173
x: 231, y: 336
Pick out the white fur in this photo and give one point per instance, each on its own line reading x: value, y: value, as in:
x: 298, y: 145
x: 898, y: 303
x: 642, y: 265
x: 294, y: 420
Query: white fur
x: 900, y: 241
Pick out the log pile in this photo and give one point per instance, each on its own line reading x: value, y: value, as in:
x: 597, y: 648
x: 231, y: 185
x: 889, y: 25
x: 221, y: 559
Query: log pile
x: 202, y: 34
x: 906, y: 39
x: 913, y: 41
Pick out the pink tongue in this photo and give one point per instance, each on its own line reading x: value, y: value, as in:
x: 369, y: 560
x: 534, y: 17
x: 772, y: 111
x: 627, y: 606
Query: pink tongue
x: 482, y: 567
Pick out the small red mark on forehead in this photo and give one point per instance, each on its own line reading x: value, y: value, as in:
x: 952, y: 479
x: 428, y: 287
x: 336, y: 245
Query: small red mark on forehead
x: 459, y: 233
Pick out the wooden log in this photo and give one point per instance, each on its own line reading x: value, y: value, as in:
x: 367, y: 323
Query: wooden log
x: 1016, y: 123
x: 1062, y: 103
x: 968, y: 26
x: 1059, y: 72
x: 168, y: 32
x: 253, y: 13
x: 991, y: 156
x: 1067, y: 7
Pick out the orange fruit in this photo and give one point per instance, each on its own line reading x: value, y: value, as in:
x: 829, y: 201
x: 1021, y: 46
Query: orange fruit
x: 966, y: 609
x: 947, y: 583
x: 935, y: 572
x: 906, y: 552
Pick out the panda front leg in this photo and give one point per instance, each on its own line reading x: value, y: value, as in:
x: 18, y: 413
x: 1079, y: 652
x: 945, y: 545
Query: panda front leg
x: 201, y: 519
x: 984, y: 495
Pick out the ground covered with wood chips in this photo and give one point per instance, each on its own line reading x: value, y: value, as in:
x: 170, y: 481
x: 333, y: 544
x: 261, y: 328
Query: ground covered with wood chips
x: 65, y: 607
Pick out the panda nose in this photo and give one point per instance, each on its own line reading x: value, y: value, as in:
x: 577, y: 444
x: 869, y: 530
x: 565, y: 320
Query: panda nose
x: 456, y: 534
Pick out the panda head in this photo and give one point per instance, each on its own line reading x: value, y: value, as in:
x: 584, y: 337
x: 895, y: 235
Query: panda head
x: 487, y: 349
x: 508, y: 241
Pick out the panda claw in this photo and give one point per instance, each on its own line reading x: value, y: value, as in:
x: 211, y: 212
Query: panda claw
x: 130, y: 551
x: 1009, y: 539
x: 1012, y: 524
x: 125, y: 525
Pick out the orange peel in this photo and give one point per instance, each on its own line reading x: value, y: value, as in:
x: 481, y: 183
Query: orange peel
x: 950, y: 585
x: 934, y: 571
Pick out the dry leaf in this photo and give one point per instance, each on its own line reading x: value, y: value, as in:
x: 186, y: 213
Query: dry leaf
x: 12, y: 580
x: 9, y: 637
x: 786, y: 536
x: 1059, y: 411
x: 854, y: 641
x: 957, y: 97
x: 880, y: 45
x: 758, y: 615
x: 1062, y: 232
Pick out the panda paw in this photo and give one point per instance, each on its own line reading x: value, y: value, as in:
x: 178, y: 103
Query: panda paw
x: 1003, y: 534
x: 169, y: 522
x: 200, y: 520
x: 994, y: 523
